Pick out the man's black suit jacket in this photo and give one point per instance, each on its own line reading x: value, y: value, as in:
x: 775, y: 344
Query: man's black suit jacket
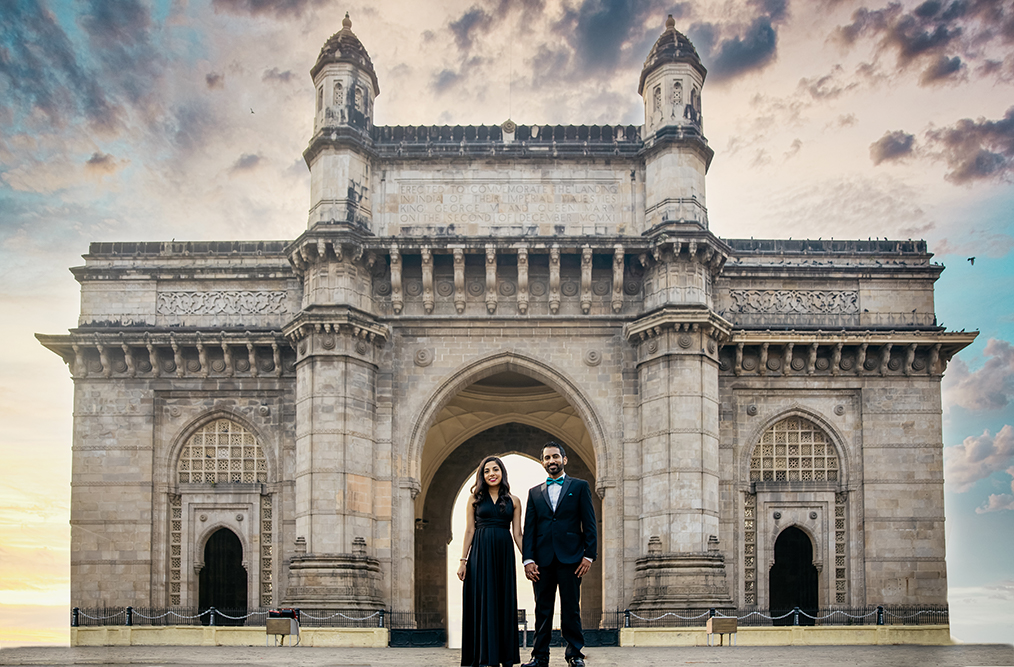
x: 568, y: 534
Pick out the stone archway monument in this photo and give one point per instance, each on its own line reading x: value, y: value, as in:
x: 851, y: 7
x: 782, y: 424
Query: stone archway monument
x: 454, y: 283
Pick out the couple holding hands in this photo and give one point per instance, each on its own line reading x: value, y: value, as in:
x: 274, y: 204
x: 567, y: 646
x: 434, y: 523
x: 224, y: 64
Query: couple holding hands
x: 558, y: 548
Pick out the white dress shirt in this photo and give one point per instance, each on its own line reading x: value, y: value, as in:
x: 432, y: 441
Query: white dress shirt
x: 554, y: 491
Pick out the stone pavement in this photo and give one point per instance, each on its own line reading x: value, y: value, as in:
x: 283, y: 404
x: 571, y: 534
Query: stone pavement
x: 783, y: 656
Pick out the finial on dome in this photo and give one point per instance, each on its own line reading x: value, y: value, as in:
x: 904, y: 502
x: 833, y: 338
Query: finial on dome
x: 670, y: 23
x: 347, y: 22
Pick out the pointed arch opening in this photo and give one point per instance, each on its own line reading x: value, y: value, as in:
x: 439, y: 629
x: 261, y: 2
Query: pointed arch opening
x: 792, y: 580
x: 222, y: 581
x: 503, y: 405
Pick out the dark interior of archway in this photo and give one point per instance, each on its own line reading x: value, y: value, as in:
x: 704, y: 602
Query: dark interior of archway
x: 508, y: 379
x: 222, y: 583
x: 434, y: 531
x: 793, y: 578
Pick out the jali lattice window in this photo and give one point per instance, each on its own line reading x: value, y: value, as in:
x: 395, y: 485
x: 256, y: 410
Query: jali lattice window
x: 222, y: 452
x: 175, y: 548
x: 794, y: 450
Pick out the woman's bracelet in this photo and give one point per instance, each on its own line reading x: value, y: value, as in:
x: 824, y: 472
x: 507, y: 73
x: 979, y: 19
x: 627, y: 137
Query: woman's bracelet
x: 463, y: 560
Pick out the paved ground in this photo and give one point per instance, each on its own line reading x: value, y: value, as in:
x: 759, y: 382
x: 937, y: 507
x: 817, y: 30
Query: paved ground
x: 782, y: 656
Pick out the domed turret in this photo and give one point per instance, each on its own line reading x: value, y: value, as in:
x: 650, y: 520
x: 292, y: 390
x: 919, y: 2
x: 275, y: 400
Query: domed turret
x: 677, y: 155
x: 340, y: 170
x: 345, y: 80
x: 671, y: 81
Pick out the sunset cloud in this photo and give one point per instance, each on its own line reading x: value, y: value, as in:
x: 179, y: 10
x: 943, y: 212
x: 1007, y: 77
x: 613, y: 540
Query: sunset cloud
x: 892, y: 146
x: 935, y: 37
x: 978, y: 457
x: 990, y: 387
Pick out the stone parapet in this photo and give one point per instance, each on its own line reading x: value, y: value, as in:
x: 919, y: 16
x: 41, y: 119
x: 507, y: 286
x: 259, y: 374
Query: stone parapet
x: 862, y: 635
x: 188, y: 635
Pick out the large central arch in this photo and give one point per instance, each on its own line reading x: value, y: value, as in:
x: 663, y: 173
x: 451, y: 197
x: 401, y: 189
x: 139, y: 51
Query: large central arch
x: 443, y: 463
x: 500, y: 362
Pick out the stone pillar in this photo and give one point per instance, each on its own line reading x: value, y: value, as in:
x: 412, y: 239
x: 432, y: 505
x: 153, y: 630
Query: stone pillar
x: 680, y: 564
x: 343, y: 489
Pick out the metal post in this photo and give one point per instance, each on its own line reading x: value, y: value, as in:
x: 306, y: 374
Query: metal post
x: 626, y: 618
x: 381, y: 621
x: 711, y: 613
x: 130, y: 616
x: 74, y: 617
x: 795, y: 616
x: 213, y: 612
x: 880, y: 614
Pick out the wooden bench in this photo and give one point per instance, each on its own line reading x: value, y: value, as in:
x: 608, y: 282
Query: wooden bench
x: 721, y: 627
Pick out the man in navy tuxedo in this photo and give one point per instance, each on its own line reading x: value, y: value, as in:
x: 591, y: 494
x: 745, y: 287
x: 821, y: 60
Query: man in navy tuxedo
x: 558, y: 548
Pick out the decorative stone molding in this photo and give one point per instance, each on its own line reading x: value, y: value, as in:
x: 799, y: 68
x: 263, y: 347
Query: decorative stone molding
x: 794, y: 301
x: 226, y: 302
x: 837, y: 353
x: 140, y: 354
x: 423, y: 357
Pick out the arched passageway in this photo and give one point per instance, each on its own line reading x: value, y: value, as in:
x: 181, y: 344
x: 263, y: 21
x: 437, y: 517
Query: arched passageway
x: 434, y: 530
x: 793, y: 578
x: 223, y: 579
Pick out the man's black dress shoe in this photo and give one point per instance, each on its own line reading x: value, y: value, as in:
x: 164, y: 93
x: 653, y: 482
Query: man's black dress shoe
x: 577, y: 661
x: 537, y: 662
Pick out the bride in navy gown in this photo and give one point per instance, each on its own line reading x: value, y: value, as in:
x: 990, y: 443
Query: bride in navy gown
x: 489, y: 627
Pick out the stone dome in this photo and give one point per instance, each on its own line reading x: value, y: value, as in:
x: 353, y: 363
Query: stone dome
x: 672, y: 47
x: 345, y: 47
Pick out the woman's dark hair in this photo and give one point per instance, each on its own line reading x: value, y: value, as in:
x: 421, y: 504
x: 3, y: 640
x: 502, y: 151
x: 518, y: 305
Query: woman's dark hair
x: 480, y: 489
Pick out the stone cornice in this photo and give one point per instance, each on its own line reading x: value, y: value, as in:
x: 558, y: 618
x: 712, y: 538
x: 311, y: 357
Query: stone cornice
x: 154, y: 353
x: 678, y: 317
x: 338, y: 320
x: 862, y: 353
x: 679, y: 135
x: 855, y: 337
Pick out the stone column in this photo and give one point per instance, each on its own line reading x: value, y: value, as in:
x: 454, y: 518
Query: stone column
x: 680, y: 564
x: 343, y: 488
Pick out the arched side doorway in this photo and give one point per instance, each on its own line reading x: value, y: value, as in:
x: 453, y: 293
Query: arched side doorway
x: 434, y: 528
x: 223, y: 579
x: 792, y: 580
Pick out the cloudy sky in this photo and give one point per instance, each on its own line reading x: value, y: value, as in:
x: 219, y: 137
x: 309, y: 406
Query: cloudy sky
x: 186, y: 119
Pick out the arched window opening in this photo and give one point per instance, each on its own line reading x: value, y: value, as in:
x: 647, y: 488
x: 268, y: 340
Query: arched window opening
x: 222, y: 452
x: 794, y: 450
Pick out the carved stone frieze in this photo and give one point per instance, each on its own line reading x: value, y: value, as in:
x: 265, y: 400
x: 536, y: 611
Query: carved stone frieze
x: 223, y: 302
x: 794, y: 301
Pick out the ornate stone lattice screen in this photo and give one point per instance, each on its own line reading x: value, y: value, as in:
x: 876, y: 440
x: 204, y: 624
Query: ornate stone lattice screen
x: 222, y: 452
x: 175, y: 549
x: 794, y: 450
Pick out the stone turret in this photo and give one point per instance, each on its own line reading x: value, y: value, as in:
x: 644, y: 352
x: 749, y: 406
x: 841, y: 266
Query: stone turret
x: 677, y: 155
x: 338, y: 155
x: 345, y: 81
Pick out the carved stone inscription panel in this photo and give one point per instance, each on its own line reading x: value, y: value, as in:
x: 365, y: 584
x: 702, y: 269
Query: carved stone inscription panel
x: 232, y: 302
x: 794, y: 301
x: 505, y: 208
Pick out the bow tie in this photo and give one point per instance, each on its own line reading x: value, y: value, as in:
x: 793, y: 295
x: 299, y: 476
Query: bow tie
x: 550, y: 480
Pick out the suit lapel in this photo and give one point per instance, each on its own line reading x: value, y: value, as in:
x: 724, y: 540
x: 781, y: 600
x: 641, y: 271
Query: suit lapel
x: 545, y: 496
x: 564, y: 490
